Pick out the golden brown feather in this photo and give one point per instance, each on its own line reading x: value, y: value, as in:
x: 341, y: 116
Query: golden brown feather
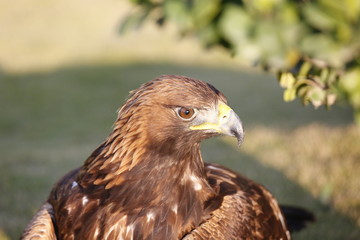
x: 244, y: 210
x: 148, y: 181
x: 41, y: 227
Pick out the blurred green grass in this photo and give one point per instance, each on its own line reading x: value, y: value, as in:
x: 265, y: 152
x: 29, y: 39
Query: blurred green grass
x: 51, y: 121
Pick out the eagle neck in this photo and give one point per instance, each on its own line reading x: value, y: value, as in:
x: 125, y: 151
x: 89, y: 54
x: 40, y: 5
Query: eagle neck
x: 167, y: 187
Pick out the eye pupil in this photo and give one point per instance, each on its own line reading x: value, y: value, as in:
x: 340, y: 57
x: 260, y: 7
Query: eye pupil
x: 186, y: 113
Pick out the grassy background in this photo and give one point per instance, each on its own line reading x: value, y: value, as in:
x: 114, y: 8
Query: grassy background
x: 64, y: 71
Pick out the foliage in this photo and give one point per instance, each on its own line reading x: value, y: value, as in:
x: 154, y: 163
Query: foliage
x: 314, y: 46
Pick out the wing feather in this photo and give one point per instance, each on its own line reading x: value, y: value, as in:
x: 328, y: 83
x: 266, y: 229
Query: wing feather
x: 41, y: 226
x: 246, y: 210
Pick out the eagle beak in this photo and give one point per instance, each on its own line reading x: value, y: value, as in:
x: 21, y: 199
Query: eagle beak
x: 230, y: 123
x: 226, y: 122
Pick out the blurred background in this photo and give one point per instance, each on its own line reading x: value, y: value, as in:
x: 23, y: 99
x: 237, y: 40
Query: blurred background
x: 65, y: 70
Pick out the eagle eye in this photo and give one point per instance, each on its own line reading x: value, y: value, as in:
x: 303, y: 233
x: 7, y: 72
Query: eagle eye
x: 186, y: 113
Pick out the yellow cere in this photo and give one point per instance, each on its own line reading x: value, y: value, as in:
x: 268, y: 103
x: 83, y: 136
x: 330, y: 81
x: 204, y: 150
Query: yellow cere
x: 224, y: 111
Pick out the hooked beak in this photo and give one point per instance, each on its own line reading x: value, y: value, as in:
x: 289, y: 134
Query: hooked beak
x: 226, y: 122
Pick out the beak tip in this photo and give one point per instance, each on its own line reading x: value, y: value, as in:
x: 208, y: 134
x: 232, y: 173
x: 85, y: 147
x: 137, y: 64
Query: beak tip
x: 235, y: 127
x: 240, y: 140
x: 239, y: 136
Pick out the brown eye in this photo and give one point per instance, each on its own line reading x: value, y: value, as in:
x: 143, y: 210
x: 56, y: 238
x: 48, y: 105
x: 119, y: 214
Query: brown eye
x: 186, y: 113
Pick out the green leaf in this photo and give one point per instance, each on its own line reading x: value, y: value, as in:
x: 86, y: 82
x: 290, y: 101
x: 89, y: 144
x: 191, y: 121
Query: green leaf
x: 277, y: 35
x: 208, y: 35
x: 351, y: 80
x: 317, y: 96
x: 324, y: 75
x: 325, y: 48
x: 302, y: 93
x: 235, y: 24
x: 305, y: 68
x: 204, y: 11
x: 352, y: 8
x: 289, y: 94
x: 263, y: 6
x: 179, y: 12
x: 319, y: 18
x: 287, y: 80
x: 133, y: 21
x: 271, y: 44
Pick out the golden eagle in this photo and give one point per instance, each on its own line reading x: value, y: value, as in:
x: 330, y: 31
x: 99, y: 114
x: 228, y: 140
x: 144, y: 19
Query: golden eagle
x: 148, y: 180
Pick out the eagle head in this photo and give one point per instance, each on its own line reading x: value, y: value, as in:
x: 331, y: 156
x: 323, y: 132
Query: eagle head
x: 161, y: 123
x: 177, y: 110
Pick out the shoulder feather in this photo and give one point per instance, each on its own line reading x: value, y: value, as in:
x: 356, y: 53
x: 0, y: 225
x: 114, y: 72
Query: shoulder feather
x: 242, y: 209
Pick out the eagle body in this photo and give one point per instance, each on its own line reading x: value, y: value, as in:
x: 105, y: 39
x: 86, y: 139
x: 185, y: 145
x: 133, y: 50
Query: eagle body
x: 148, y: 180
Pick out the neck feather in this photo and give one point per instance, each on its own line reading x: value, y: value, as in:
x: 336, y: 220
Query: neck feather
x: 143, y: 180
